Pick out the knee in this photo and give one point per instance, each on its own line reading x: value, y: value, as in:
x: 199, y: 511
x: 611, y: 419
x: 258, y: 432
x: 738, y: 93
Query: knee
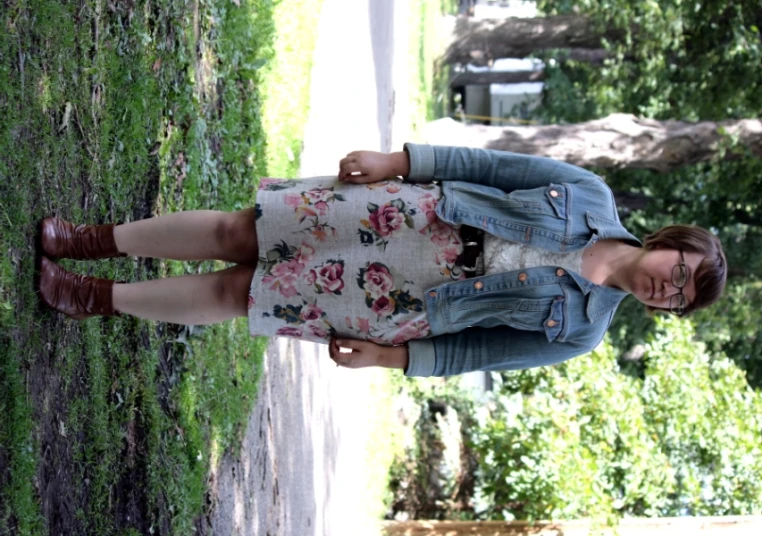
x: 232, y: 287
x: 235, y: 232
x: 226, y: 232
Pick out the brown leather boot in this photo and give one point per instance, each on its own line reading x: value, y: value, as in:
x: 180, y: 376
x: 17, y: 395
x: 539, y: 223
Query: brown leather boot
x: 77, y: 296
x: 63, y: 240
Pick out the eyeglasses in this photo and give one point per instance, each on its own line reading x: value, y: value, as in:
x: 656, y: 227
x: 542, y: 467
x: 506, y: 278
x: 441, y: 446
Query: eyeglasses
x: 677, y: 302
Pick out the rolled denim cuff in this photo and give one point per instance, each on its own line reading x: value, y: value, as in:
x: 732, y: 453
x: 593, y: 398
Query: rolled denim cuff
x: 421, y: 358
x: 421, y: 162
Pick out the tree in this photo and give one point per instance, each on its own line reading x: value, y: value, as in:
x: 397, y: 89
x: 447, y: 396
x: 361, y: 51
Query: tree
x: 616, y: 141
x: 480, y: 42
x: 660, y: 59
x: 686, y: 60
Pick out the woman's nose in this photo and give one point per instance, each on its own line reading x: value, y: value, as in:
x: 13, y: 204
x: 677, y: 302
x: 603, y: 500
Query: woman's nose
x: 668, y: 289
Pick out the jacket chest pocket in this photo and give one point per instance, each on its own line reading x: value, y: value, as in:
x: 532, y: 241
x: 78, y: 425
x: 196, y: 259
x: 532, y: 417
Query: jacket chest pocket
x: 551, y: 200
x: 542, y: 315
x: 545, y: 316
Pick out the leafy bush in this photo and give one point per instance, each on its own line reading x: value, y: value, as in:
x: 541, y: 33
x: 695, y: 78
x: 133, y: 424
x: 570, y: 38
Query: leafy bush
x: 583, y: 440
x: 434, y: 478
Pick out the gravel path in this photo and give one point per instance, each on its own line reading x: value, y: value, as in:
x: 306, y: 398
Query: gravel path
x: 302, y: 469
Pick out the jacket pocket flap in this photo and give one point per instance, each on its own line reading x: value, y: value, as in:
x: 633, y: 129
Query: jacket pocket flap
x: 558, y: 197
x: 555, y: 323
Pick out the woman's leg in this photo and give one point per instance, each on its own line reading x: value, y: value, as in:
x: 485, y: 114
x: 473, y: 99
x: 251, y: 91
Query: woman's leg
x: 190, y: 299
x: 192, y: 235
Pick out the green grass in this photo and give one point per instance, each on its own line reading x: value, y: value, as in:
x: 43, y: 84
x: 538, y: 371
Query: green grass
x: 428, y: 79
x: 286, y: 105
x: 115, y: 113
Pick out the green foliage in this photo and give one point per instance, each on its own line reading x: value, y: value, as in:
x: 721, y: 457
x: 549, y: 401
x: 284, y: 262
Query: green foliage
x: 425, y: 480
x: 677, y: 59
x: 113, y: 113
x: 583, y: 440
x: 286, y: 108
x: 732, y: 327
x: 709, y: 423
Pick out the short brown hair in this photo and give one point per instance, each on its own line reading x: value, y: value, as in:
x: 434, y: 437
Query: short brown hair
x: 712, y: 273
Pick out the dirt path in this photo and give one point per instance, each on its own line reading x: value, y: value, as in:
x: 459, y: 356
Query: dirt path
x: 302, y: 468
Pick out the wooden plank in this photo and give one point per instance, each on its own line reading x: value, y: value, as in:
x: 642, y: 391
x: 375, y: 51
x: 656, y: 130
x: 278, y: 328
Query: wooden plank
x: 665, y: 526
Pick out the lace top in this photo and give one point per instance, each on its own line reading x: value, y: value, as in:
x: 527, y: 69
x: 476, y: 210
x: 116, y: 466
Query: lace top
x: 503, y: 256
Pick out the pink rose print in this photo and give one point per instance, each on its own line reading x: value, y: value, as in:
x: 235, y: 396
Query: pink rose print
x: 293, y: 200
x: 317, y: 330
x: 321, y: 207
x: 311, y: 277
x: 329, y: 277
x: 411, y: 330
x: 450, y: 254
x: 289, y: 332
x: 348, y: 321
x: 386, y: 220
x: 440, y: 233
x: 283, y: 276
x: 306, y: 321
x: 305, y: 253
x: 378, y: 280
x: 319, y: 194
x: 428, y: 203
x: 251, y: 301
x: 383, y: 306
x: 363, y: 324
x: 380, y: 293
x: 311, y: 312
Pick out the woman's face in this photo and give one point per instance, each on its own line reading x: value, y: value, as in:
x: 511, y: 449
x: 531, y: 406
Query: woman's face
x: 651, y: 279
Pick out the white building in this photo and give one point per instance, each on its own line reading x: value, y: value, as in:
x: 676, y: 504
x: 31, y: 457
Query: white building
x: 503, y: 104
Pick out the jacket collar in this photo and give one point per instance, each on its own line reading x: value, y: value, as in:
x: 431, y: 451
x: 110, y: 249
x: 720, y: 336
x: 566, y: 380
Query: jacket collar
x: 601, y: 299
x: 610, y: 229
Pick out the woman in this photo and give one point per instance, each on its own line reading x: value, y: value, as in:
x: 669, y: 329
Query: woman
x: 514, y: 261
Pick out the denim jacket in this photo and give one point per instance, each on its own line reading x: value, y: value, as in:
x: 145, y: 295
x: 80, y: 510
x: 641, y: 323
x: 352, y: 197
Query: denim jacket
x: 522, y: 318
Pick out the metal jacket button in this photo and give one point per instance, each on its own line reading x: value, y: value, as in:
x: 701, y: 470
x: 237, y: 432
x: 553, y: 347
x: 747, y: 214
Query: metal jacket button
x: 560, y: 272
x: 478, y: 285
x: 553, y: 193
x: 433, y: 294
x: 522, y: 277
x: 551, y: 323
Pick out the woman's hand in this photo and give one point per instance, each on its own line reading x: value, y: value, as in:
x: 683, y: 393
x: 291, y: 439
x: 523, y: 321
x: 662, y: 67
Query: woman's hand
x: 363, y: 167
x: 367, y: 354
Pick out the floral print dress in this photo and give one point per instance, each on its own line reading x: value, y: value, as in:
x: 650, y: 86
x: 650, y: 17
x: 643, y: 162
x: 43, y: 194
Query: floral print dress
x: 348, y: 260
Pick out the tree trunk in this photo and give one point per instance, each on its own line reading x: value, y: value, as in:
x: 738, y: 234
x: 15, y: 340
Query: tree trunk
x: 665, y: 526
x: 500, y: 77
x: 616, y: 141
x: 593, y: 56
x: 480, y: 42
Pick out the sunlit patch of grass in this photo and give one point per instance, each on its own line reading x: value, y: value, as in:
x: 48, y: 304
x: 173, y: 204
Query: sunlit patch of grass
x: 286, y: 88
x: 427, y: 78
x: 385, y: 443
